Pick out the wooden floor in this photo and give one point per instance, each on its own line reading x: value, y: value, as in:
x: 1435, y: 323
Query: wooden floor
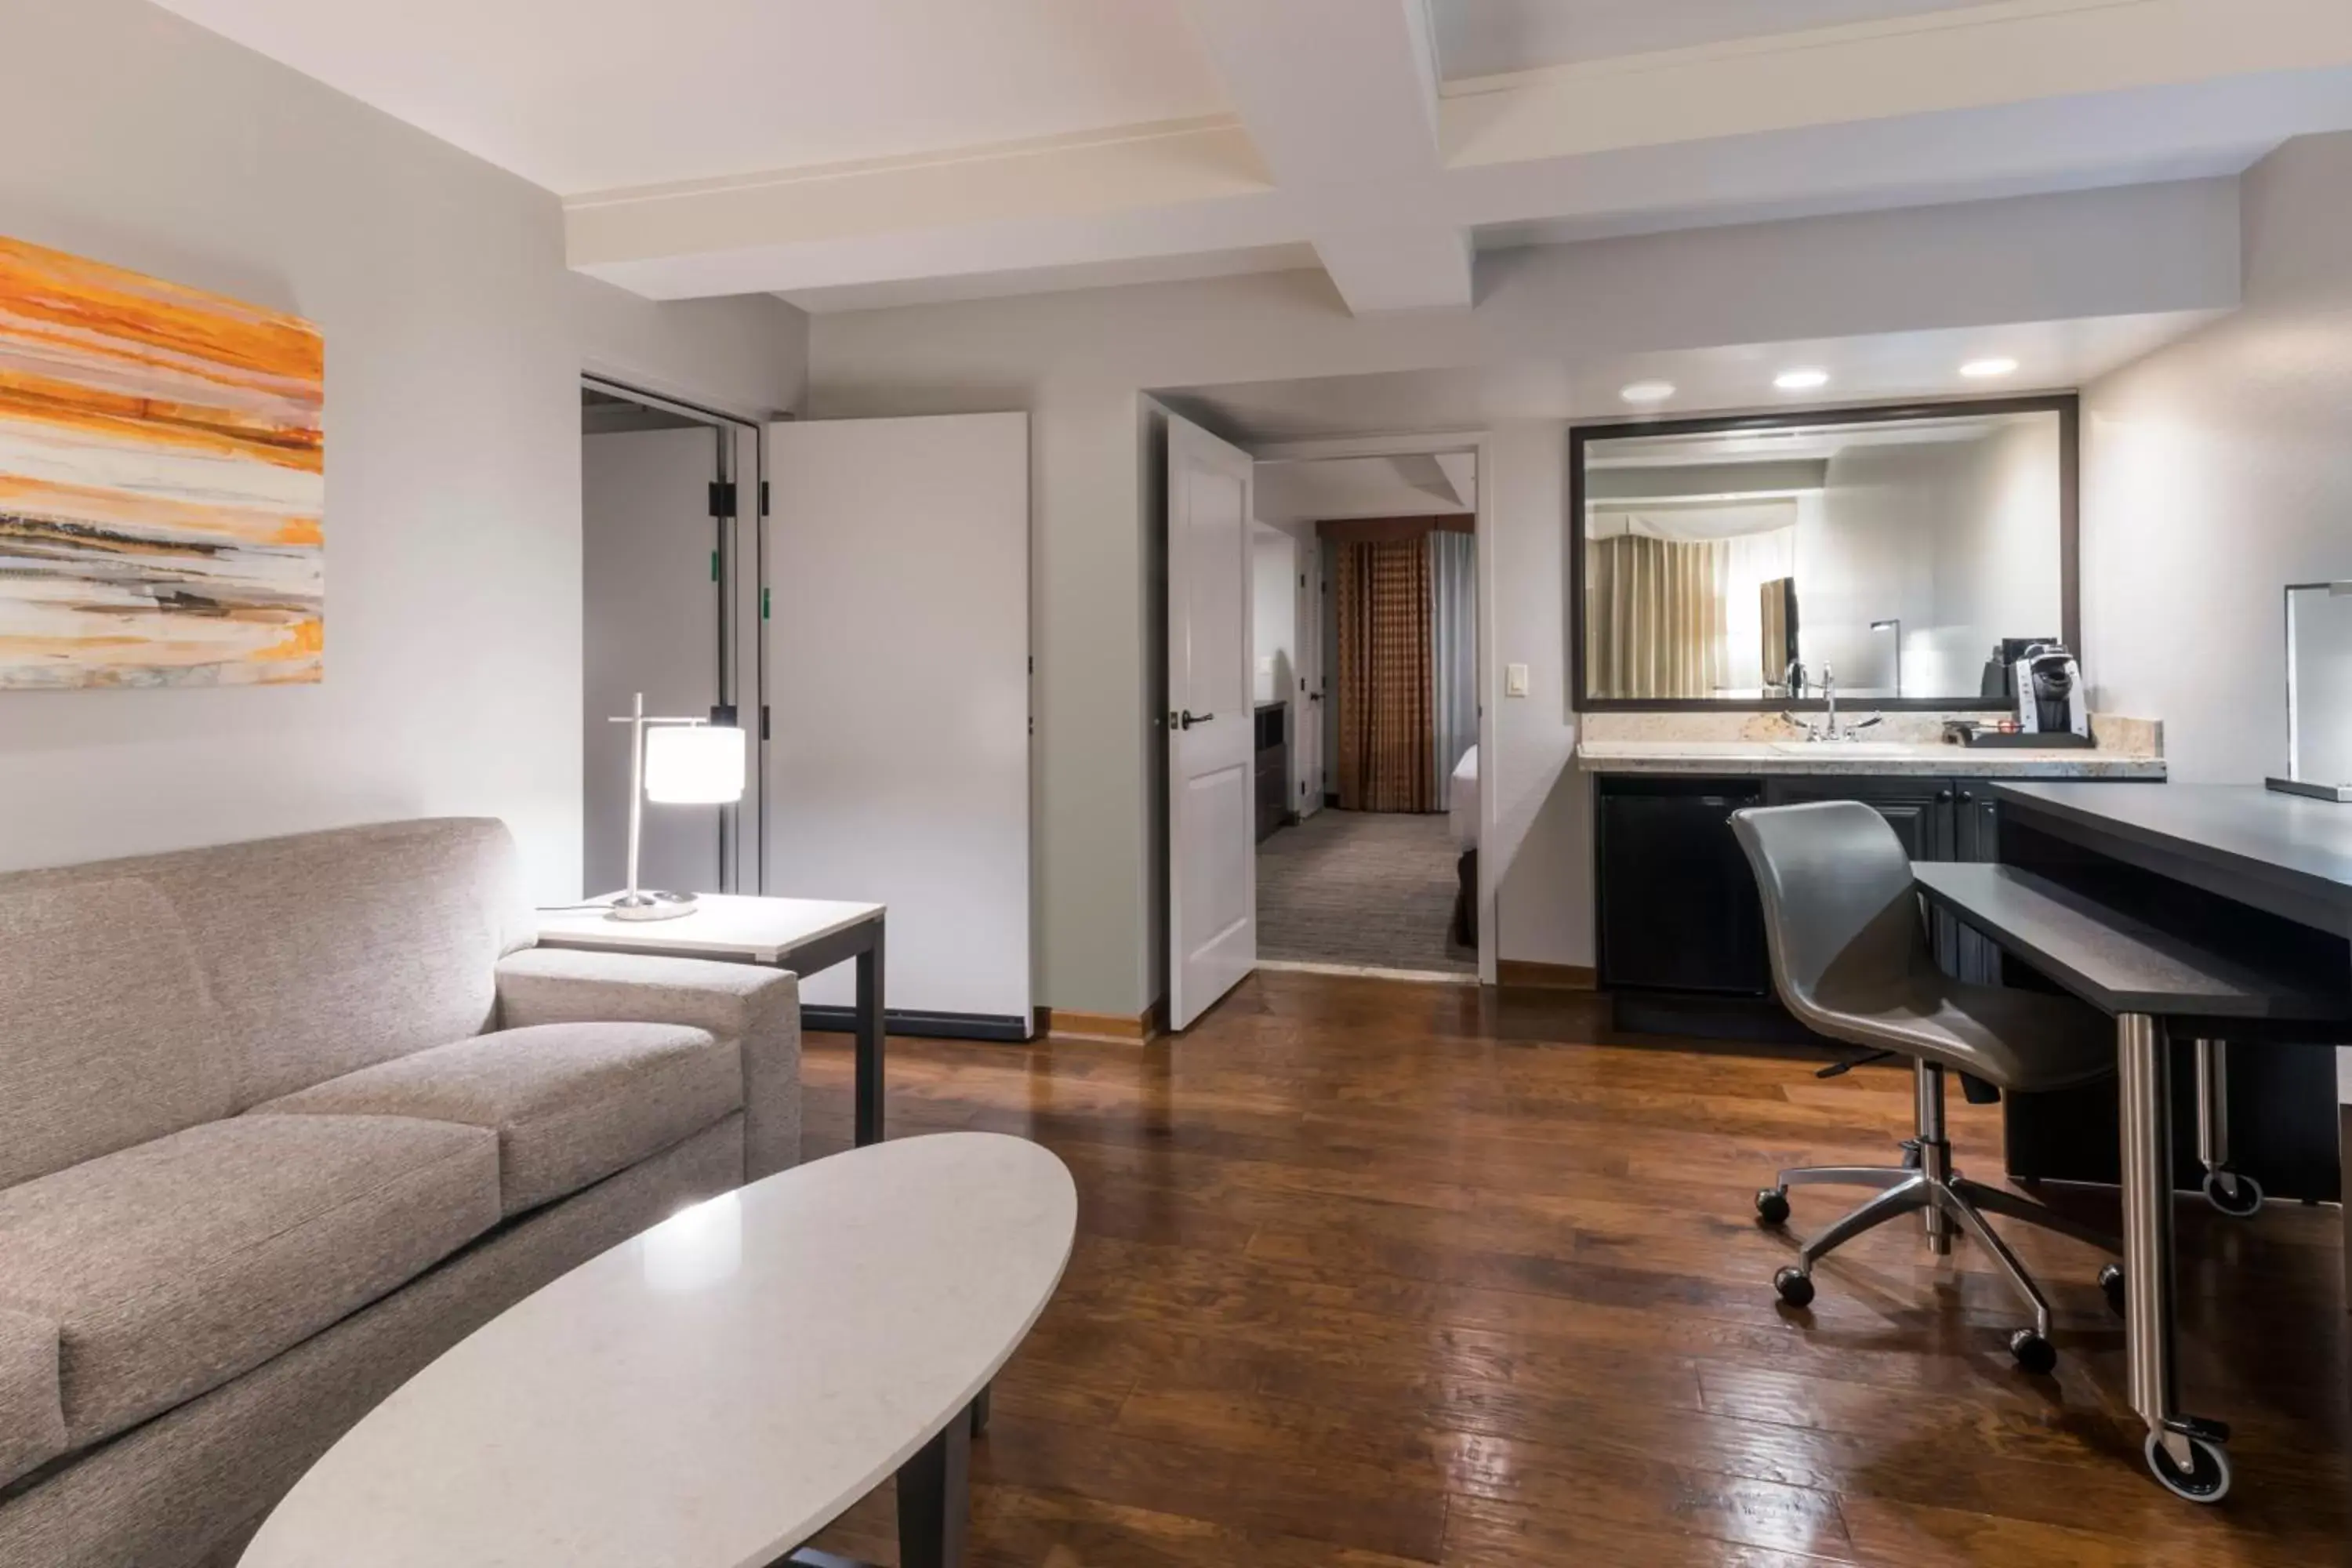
x: 1373, y: 1273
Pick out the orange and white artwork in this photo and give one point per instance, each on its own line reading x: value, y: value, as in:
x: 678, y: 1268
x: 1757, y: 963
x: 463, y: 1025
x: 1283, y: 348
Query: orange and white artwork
x: 162, y: 483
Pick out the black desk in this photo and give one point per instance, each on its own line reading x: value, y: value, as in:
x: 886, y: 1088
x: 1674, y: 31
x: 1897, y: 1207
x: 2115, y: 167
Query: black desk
x: 2209, y: 909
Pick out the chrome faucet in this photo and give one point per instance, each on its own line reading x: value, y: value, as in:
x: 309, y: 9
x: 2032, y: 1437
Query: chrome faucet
x: 1832, y: 731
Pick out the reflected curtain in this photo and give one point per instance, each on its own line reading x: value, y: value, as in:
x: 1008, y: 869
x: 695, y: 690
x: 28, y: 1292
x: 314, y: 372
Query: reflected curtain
x: 1387, y: 725
x: 1454, y: 655
x: 1658, y: 620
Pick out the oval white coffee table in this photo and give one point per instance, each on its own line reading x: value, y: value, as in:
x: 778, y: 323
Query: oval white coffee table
x: 714, y: 1391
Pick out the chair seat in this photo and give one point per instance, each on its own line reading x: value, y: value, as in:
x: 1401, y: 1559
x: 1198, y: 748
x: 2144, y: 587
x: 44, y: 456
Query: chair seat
x: 571, y: 1103
x: 2015, y: 1040
x: 172, y: 1267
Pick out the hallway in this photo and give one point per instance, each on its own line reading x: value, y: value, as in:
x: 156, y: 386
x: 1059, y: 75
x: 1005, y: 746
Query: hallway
x: 1372, y: 890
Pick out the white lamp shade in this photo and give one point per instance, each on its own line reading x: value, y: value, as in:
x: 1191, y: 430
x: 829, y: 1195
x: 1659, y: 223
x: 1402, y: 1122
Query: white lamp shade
x: 694, y: 765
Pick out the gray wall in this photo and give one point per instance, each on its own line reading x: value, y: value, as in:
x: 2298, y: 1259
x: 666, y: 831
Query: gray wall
x: 1079, y: 362
x: 2219, y: 469
x: 455, y: 338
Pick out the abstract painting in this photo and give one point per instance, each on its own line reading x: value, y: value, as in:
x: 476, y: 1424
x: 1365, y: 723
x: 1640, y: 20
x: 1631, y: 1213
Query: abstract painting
x: 162, y: 483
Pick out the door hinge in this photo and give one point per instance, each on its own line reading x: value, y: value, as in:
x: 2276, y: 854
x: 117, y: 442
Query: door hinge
x: 763, y: 603
x: 714, y: 566
x: 763, y: 721
x: 722, y: 498
x: 763, y: 498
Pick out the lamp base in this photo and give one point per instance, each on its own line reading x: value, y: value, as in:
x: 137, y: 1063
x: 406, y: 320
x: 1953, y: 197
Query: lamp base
x: 2341, y: 793
x: 650, y: 907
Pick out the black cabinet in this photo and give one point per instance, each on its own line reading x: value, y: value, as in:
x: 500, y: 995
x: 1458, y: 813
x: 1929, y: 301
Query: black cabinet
x: 1677, y: 908
x: 1273, y: 722
x: 1677, y: 904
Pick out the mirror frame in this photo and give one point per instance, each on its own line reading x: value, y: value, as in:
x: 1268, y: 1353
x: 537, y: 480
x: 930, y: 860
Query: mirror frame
x: 2066, y: 405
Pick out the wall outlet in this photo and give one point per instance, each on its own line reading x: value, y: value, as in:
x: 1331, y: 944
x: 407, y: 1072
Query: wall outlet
x: 1515, y: 680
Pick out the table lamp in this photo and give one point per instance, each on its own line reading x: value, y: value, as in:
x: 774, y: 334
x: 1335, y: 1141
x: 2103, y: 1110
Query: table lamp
x: 673, y: 762
x: 2294, y: 782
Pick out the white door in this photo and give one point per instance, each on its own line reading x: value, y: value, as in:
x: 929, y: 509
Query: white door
x: 1212, y: 788
x: 1307, y: 703
x: 650, y: 623
x: 897, y: 688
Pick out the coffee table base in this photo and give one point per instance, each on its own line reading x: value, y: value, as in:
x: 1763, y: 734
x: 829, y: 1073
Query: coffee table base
x: 934, y: 1501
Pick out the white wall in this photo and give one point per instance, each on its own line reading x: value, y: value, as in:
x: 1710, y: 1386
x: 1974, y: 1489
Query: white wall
x: 1994, y: 558
x: 1273, y: 606
x: 455, y: 338
x: 2217, y: 471
x: 1080, y: 361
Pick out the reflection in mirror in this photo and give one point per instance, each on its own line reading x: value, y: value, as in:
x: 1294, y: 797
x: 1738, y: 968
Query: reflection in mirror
x: 1757, y: 564
x: 2319, y: 682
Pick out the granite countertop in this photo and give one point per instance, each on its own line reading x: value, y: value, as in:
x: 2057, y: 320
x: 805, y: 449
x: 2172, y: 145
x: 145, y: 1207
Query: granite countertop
x: 1884, y: 758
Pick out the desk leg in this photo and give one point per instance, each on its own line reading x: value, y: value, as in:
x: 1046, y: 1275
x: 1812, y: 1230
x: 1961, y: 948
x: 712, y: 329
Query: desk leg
x: 2183, y: 1452
x: 935, y: 1500
x: 869, y: 1043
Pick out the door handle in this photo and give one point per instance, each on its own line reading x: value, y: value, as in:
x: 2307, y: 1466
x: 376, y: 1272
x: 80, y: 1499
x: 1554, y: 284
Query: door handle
x: 1187, y: 719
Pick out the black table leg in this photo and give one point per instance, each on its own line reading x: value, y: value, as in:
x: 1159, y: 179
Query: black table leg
x: 935, y: 1500
x: 869, y: 1042
x: 980, y: 1412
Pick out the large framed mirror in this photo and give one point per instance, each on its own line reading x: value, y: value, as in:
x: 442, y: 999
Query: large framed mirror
x: 1905, y: 554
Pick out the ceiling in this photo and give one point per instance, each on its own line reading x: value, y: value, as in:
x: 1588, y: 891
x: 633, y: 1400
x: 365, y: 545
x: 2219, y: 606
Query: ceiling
x: 849, y: 155
x: 587, y: 95
x: 1309, y: 490
x: 1492, y: 37
x: 1883, y: 367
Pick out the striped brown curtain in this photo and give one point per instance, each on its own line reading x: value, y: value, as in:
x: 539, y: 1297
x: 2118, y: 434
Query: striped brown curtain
x: 1388, y: 726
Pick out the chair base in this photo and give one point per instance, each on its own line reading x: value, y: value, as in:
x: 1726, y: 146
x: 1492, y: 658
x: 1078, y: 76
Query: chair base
x: 1927, y: 1184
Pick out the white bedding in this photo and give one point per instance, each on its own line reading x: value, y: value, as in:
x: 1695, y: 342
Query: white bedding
x: 1461, y: 801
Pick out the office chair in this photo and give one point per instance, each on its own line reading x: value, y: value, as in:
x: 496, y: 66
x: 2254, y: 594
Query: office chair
x: 1851, y: 959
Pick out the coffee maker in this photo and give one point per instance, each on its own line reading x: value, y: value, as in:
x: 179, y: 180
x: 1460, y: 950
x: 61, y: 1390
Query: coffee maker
x: 2049, y: 687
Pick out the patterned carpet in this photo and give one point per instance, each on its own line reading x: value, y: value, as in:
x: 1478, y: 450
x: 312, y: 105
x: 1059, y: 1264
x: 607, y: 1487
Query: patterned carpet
x: 1359, y: 887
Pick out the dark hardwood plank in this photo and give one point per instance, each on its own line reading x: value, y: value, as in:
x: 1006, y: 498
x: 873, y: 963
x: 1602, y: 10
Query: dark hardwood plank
x: 1373, y: 1275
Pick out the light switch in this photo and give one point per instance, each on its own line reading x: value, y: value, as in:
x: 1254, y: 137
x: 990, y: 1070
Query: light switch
x: 1515, y: 680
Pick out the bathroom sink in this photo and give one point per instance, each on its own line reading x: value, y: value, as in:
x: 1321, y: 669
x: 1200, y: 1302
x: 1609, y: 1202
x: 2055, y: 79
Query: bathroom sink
x: 1830, y: 751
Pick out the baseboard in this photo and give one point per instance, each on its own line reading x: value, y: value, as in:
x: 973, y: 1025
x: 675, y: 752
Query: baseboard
x: 1544, y: 977
x: 1118, y: 1028
x: 926, y: 1025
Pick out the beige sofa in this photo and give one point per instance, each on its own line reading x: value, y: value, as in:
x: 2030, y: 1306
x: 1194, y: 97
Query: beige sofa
x: 280, y: 1121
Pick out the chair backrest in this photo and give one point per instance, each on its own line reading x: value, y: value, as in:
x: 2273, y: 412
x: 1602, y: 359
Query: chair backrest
x: 1840, y: 913
x: 291, y: 960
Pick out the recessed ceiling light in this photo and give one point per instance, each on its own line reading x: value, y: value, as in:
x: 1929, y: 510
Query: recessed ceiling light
x: 1988, y: 369
x: 1648, y: 392
x: 1800, y: 380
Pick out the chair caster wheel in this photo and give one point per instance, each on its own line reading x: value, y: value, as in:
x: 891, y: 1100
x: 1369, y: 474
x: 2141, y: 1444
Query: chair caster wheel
x: 2207, y: 1480
x: 2034, y: 1354
x: 1772, y: 1205
x: 2238, y: 1196
x: 2111, y: 1285
x: 1796, y: 1287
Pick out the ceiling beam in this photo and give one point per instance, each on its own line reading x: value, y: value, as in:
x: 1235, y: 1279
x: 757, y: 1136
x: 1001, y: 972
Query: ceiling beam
x: 1340, y: 98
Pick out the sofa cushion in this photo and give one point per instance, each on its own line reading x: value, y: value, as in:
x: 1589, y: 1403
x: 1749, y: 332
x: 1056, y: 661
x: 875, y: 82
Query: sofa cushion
x: 32, y: 1412
x: 571, y: 1103
x: 172, y: 1267
x: 330, y: 951
x: 108, y: 1035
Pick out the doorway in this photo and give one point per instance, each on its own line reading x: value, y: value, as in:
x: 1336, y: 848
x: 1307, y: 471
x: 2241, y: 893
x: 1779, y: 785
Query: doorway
x: 1365, y: 601
x: 670, y: 568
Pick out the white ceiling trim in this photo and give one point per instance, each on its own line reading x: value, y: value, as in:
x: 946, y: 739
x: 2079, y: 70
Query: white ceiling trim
x: 1978, y: 57
x: 1345, y: 140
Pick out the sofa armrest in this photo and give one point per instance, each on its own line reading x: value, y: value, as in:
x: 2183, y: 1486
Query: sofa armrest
x: 32, y: 1401
x: 759, y: 1007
